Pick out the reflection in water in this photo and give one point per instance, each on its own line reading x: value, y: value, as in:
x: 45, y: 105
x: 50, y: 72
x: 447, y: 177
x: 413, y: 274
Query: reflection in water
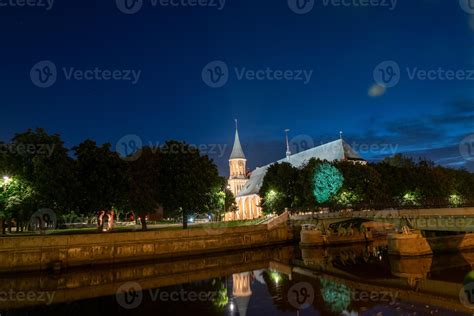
x: 336, y: 295
x: 242, y: 290
x: 355, y: 280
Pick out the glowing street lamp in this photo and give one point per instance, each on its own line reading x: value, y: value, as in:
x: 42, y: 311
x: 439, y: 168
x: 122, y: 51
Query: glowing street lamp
x: 6, y: 180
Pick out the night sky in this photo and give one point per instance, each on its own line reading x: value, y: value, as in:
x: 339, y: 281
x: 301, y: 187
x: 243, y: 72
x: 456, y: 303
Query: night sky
x: 169, y: 47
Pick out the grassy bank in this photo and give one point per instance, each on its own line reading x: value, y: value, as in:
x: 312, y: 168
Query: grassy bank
x: 152, y: 227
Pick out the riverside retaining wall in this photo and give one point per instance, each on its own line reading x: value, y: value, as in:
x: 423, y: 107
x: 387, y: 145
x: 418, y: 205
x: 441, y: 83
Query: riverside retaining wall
x: 34, y: 253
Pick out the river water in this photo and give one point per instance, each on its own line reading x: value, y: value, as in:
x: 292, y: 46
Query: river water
x: 285, y: 280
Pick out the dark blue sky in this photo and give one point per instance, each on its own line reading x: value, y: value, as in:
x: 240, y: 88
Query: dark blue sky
x: 170, y: 45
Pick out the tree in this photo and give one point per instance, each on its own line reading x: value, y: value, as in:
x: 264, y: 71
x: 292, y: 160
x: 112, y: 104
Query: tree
x: 19, y: 202
x: 305, y: 198
x: 102, y: 178
x: 187, y: 180
x: 433, y: 184
x: 278, y: 189
x: 399, y: 161
x: 230, y: 204
x: 363, y: 187
x: 39, y: 164
x: 220, y: 199
x: 327, y: 182
x: 143, y: 177
x: 399, y: 180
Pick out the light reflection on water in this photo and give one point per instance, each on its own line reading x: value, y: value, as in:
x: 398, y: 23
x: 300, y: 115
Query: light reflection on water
x: 355, y: 280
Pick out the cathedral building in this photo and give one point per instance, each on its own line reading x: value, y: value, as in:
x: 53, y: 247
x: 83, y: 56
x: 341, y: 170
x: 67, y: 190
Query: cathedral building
x: 237, y: 166
x: 246, y: 188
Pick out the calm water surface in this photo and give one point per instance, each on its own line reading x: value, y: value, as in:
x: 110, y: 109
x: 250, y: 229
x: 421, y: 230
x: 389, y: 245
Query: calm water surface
x: 355, y: 280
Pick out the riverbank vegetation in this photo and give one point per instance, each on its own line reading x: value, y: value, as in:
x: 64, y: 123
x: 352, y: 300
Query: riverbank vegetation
x: 38, y: 172
x: 394, y: 183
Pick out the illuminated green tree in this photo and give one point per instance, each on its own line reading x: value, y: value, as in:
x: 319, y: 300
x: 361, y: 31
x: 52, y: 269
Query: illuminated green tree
x: 327, y: 181
x: 337, y: 296
x: 17, y: 200
x: 278, y: 189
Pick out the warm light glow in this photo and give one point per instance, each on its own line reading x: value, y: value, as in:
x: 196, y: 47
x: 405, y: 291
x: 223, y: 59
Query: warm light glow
x: 411, y: 198
x: 6, y: 179
x: 276, y: 277
x: 456, y: 200
x: 347, y: 199
x: 272, y: 195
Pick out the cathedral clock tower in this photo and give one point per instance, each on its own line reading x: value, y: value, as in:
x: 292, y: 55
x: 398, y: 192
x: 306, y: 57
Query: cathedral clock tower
x: 237, y: 166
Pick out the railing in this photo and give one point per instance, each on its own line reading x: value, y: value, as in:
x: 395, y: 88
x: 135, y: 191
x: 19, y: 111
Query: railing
x: 280, y: 220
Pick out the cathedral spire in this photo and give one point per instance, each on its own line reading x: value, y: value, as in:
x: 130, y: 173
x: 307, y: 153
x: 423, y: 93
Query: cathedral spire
x: 237, y: 152
x: 288, y: 151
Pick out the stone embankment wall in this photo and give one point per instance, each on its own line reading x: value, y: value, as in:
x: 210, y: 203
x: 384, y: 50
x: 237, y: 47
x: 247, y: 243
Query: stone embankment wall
x: 61, y: 251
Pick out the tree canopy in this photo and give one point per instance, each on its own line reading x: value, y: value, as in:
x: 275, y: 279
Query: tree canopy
x: 395, y: 182
x: 278, y: 190
x: 188, y: 178
x: 41, y: 173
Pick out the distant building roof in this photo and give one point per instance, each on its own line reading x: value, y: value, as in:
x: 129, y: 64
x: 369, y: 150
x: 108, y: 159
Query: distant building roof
x: 237, y: 152
x: 333, y: 151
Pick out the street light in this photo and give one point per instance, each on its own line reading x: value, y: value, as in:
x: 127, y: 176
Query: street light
x: 6, y: 180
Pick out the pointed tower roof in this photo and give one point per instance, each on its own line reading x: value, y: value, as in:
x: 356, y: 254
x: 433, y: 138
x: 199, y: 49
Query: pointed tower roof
x: 237, y: 152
